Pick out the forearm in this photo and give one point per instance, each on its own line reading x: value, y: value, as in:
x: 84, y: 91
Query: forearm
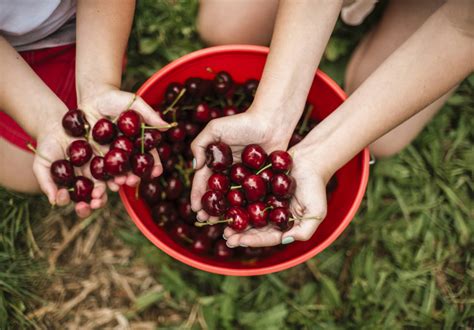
x: 23, y: 95
x: 302, y: 30
x: 102, y: 34
x: 434, y: 60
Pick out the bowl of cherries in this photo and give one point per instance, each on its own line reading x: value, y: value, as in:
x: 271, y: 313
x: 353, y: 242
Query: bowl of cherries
x: 254, y: 191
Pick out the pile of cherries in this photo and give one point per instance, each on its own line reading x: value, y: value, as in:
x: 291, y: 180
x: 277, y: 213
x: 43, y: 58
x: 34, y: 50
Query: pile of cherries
x: 251, y: 193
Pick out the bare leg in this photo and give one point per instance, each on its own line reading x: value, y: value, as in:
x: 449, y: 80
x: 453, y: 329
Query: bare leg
x: 401, y: 19
x: 16, y: 169
x: 223, y: 22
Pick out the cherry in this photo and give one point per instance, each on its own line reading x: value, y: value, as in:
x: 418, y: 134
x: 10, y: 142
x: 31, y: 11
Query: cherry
x: 213, y: 232
x: 164, y: 151
x: 202, y: 113
x: 254, y: 156
x: 254, y: 187
x: 172, y: 91
x: 150, y: 190
x: 62, y: 173
x: 79, y: 152
x: 215, y: 113
x: 238, y: 172
x: 185, y: 211
x: 74, y: 123
x: 250, y: 87
x: 236, y: 197
x: 191, y: 129
x: 97, y: 168
x: 123, y: 143
x: 82, y: 189
x: 169, y: 165
x: 281, y: 161
x: 275, y: 202
x: 214, y: 203
x: 280, y: 217
x: 142, y: 164
x: 218, y: 156
x: 104, y: 131
x: 151, y: 139
x: 222, y: 82
x: 258, y: 214
x: 163, y: 213
x: 174, y: 188
x: 193, y: 86
x: 283, y: 186
x: 129, y: 123
x: 116, y: 162
x: 201, y: 244
x: 238, y: 218
x: 176, y: 134
x: 266, y: 175
x: 219, y: 182
x: 252, y: 252
x: 181, y: 231
x: 230, y: 111
x: 222, y: 251
x: 178, y: 148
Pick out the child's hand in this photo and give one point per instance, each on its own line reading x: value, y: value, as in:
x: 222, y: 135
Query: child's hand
x: 237, y: 131
x: 309, y: 202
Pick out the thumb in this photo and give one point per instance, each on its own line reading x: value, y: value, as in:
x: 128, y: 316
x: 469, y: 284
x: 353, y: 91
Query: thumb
x: 150, y: 116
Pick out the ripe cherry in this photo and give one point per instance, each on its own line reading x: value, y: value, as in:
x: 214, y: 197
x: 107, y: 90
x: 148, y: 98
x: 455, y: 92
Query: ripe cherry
x: 250, y: 87
x: 214, y: 203
x: 62, y: 173
x: 142, y: 164
x: 202, y: 113
x: 280, y: 217
x: 219, y: 182
x: 172, y: 91
x: 230, y: 111
x: 176, y: 134
x: 236, y: 197
x: 238, y: 172
x: 163, y: 213
x: 281, y: 161
x: 150, y: 190
x: 215, y: 113
x: 129, y: 123
x: 192, y: 129
x: 218, y: 156
x: 222, y: 251
x: 181, y: 231
x: 238, y: 218
x: 79, y: 152
x: 254, y: 188
x: 82, y: 190
x: 174, y: 188
x: 213, y: 232
x: 275, y: 202
x: 222, y: 82
x: 185, y: 212
x: 258, y: 214
x: 266, y: 175
x: 164, y: 151
x: 283, y: 186
x: 104, y: 131
x: 254, y: 156
x: 122, y: 143
x: 151, y: 139
x: 193, y: 86
x: 116, y: 162
x: 97, y: 168
x: 74, y: 123
x: 201, y: 244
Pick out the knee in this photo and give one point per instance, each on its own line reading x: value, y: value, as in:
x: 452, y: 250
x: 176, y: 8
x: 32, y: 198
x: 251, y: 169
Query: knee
x: 381, y: 150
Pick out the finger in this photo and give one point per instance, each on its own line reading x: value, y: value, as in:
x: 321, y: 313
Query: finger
x: 99, y: 190
x: 132, y: 180
x: 41, y: 169
x: 83, y: 209
x: 302, y: 231
x: 158, y: 167
x: 98, y: 203
x: 120, y: 180
x: 113, y: 186
x: 202, y: 216
x: 198, y: 187
x: 150, y: 116
x: 199, y: 144
x: 62, y: 197
x: 267, y: 236
x: 229, y: 232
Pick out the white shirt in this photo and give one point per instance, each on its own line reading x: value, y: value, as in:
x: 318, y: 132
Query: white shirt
x: 34, y: 24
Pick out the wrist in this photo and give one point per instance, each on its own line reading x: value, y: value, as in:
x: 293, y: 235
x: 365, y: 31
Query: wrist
x: 54, y: 114
x: 87, y: 90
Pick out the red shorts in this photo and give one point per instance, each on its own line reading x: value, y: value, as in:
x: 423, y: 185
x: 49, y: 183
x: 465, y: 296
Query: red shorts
x: 56, y: 67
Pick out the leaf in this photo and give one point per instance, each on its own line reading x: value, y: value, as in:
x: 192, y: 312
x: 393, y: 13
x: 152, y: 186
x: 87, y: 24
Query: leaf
x: 273, y: 318
x: 330, y: 292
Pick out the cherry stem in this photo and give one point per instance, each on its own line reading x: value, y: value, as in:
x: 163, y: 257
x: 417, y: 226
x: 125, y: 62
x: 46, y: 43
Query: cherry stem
x: 309, y: 218
x: 235, y: 187
x: 187, y: 239
x: 142, y: 146
x: 70, y: 189
x: 239, y: 100
x: 30, y: 146
x: 171, y: 106
x: 209, y: 69
x: 207, y: 223
x: 171, y: 125
x: 264, y: 168
x: 304, y: 124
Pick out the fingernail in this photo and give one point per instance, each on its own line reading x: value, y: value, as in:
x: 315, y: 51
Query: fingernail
x: 287, y: 240
x: 197, y: 218
x: 229, y: 246
x: 223, y: 236
x: 243, y: 245
x: 194, y: 163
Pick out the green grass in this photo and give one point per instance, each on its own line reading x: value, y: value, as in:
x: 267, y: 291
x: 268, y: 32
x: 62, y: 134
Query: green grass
x: 405, y: 260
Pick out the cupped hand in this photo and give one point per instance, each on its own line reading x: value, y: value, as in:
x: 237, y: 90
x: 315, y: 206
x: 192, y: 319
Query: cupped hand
x: 237, y: 131
x: 309, y: 204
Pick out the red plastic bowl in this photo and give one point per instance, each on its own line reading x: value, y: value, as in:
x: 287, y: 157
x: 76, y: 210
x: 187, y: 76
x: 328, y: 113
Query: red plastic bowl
x: 245, y: 62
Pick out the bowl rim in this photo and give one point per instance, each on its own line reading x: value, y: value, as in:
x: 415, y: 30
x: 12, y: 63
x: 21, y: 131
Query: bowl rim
x: 222, y: 270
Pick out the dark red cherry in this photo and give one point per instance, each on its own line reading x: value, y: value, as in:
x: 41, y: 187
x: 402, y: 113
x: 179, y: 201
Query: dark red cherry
x: 222, y: 82
x: 202, y: 113
x: 176, y: 134
x: 129, y: 123
x: 280, y: 217
x: 201, y: 244
x: 238, y: 218
x: 281, y: 161
x: 193, y: 86
x: 123, y: 143
x: 182, y: 232
x: 254, y: 156
x: 174, y: 188
x: 218, y: 156
x: 62, y: 173
x: 169, y: 165
x: 104, y: 131
x: 142, y: 164
x: 275, y: 202
x: 116, y: 162
x: 163, y: 213
x: 74, y: 123
x: 79, y: 152
x: 295, y: 139
x: 185, y: 211
x: 215, y: 113
x: 150, y: 190
x: 222, y: 251
x: 213, y: 232
x: 254, y: 188
x: 97, y: 168
x: 283, y: 186
x: 178, y: 148
x: 250, y: 87
x: 266, y: 175
x: 164, y: 151
x: 252, y: 252
x: 238, y: 172
x: 82, y: 189
x: 151, y: 139
x: 236, y: 197
x: 214, y: 203
x: 218, y: 182
x: 258, y: 214
x: 230, y: 111
x: 192, y: 129
x: 172, y: 91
